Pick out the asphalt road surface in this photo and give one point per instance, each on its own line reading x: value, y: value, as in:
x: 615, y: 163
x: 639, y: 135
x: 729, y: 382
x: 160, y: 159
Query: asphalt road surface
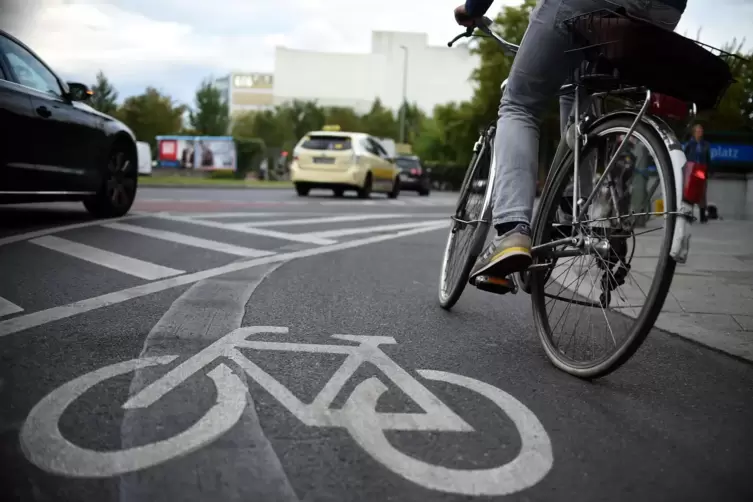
x: 249, y: 345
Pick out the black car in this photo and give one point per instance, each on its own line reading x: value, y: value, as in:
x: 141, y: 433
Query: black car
x: 413, y: 175
x: 56, y: 147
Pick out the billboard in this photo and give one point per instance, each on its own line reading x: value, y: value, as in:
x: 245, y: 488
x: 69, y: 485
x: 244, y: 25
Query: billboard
x: 201, y: 153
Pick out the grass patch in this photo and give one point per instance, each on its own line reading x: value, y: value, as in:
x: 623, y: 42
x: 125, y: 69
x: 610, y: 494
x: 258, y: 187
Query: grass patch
x: 194, y: 181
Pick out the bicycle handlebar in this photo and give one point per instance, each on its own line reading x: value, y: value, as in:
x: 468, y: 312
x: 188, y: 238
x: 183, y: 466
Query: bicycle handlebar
x: 485, y: 25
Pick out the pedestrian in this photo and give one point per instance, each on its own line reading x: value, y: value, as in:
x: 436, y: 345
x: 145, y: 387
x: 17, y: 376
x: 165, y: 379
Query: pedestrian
x: 698, y: 150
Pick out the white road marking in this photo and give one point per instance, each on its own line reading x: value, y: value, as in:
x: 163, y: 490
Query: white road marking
x: 41, y: 435
x: 189, y: 240
x: 8, y: 308
x: 42, y: 317
x: 328, y: 219
x: 238, y: 214
x: 124, y: 264
x: 47, y: 231
x: 327, y: 234
x: 241, y: 228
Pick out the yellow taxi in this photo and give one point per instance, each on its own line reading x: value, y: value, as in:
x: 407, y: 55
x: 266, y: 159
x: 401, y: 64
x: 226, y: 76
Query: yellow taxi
x: 340, y: 161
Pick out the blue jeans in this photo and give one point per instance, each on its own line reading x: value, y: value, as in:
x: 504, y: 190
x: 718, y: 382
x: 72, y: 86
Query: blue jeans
x: 539, y: 70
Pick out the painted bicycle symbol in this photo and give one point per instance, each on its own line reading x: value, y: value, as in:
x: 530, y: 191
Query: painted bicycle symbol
x: 45, y: 446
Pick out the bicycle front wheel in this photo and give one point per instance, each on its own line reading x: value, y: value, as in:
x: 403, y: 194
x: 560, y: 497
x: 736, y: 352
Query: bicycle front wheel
x: 622, y: 257
x: 469, y: 227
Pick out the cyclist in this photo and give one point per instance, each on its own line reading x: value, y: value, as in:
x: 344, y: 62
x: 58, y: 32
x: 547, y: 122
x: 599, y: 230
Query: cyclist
x: 538, y: 71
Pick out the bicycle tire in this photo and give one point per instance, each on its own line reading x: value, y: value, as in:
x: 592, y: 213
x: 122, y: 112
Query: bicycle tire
x: 449, y: 294
x: 664, y: 270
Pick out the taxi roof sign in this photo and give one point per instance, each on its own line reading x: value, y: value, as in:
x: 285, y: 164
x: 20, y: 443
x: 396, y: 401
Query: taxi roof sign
x: 333, y: 127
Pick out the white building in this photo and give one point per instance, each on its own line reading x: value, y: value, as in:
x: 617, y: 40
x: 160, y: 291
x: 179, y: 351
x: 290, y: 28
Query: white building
x: 435, y: 74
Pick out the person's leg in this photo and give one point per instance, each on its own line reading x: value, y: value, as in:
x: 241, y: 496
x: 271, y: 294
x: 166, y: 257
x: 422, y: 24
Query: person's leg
x: 538, y: 71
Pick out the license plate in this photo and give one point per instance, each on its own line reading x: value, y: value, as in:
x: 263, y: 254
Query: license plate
x: 324, y: 160
x: 404, y: 177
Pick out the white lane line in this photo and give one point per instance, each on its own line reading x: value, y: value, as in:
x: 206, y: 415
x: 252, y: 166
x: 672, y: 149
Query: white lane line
x: 328, y: 219
x: 124, y: 264
x: 370, y: 230
x: 42, y: 317
x: 189, y: 240
x: 241, y: 228
x: 286, y: 236
x: 54, y: 230
x: 8, y: 308
x: 238, y: 214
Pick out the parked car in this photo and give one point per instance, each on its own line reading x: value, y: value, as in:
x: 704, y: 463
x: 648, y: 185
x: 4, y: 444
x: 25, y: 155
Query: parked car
x: 341, y: 161
x: 55, y: 146
x: 413, y: 175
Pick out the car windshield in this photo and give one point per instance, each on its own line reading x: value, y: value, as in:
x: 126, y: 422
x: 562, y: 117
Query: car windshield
x: 338, y: 143
x: 407, y: 163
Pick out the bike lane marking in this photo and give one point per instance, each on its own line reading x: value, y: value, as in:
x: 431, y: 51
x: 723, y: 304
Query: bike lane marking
x: 223, y: 452
x: 240, y: 465
x: 34, y: 319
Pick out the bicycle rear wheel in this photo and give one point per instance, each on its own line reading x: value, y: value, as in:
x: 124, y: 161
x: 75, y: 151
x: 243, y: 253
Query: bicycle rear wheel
x: 608, y: 297
x: 470, y: 226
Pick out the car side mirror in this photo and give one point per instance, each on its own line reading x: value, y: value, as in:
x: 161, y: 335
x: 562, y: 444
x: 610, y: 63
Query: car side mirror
x: 79, y: 92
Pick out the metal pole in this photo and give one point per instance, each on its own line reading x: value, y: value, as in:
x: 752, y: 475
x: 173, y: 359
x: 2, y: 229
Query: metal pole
x: 405, y: 92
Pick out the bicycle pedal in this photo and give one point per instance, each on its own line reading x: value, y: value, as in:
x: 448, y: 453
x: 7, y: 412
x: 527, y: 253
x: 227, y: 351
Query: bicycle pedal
x: 498, y: 285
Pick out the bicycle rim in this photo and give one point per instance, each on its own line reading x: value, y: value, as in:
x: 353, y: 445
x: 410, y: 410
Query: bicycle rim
x: 464, y: 241
x: 607, y: 300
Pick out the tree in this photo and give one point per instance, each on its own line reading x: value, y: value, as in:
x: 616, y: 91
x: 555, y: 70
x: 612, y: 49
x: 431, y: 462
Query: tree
x: 346, y: 118
x: 273, y: 127
x: 380, y: 121
x: 151, y: 114
x: 303, y: 116
x: 105, y: 96
x: 735, y: 111
x: 210, y: 114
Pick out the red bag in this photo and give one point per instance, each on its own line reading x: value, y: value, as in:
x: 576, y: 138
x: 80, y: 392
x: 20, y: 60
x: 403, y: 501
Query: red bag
x: 695, y: 182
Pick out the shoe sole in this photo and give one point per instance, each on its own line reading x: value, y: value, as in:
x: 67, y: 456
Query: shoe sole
x: 510, y: 263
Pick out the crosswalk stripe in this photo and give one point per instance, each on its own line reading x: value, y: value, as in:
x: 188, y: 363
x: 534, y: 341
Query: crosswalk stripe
x: 242, y: 228
x: 124, y: 264
x: 238, y: 214
x: 8, y: 308
x: 189, y: 240
x: 325, y: 219
x: 379, y: 228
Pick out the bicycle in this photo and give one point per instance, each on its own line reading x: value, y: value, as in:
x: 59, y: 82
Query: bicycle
x: 45, y: 446
x: 621, y: 60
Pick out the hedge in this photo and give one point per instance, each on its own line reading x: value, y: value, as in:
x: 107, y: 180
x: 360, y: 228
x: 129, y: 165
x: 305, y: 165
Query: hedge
x: 249, y: 154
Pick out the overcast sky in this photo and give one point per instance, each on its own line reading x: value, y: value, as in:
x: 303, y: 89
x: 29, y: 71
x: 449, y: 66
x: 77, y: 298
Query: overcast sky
x: 173, y: 44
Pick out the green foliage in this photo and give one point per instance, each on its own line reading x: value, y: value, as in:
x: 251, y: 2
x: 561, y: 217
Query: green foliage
x: 380, y: 121
x: 210, y: 114
x: 249, y: 153
x: 151, y: 114
x: 105, y: 96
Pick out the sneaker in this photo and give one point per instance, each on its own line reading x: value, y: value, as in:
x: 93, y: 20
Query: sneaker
x: 506, y: 254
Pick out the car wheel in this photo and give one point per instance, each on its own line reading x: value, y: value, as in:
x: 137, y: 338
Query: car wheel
x: 395, y: 189
x: 339, y: 192
x: 302, y: 190
x: 119, y: 182
x: 365, y: 191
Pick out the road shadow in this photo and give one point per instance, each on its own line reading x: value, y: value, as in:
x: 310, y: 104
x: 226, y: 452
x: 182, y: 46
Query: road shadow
x: 16, y: 219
